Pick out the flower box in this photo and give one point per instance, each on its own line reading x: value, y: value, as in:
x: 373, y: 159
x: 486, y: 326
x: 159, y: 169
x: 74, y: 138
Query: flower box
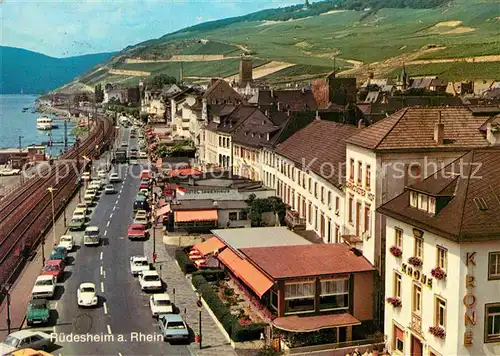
x: 415, y: 261
x: 395, y: 302
x: 396, y: 251
x: 438, y: 273
x: 437, y: 331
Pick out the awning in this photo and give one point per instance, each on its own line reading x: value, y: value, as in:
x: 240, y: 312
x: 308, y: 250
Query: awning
x: 195, y: 215
x: 163, y: 210
x: 245, y: 271
x: 209, y: 246
x: 298, y: 323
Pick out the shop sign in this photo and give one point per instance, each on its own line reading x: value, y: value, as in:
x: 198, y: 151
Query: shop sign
x: 416, y: 275
x: 360, y: 191
x: 469, y: 299
x: 209, y: 191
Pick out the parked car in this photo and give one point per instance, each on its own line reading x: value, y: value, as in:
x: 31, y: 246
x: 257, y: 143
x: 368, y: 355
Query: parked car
x: 109, y: 189
x: 85, y: 176
x: 76, y: 224
x: 92, y: 236
x: 124, y: 144
x: 23, y: 339
x: 59, y: 253
x: 89, y: 198
x: 83, y: 207
x: 138, y: 264
x: 173, y: 327
x: 9, y: 172
x: 150, y: 281
x: 54, y: 268
x: 79, y: 214
x: 38, y: 312
x: 29, y: 352
x: 141, y: 220
x: 143, y: 154
x: 145, y: 173
x: 160, y: 304
x: 101, y: 173
x: 137, y: 231
x: 141, y: 213
x: 114, y: 178
x: 144, y: 185
x: 67, y: 242
x: 133, y: 160
x: 45, y: 287
x: 87, y: 295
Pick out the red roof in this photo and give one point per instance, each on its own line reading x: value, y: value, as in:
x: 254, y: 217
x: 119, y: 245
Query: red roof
x: 307, y: 260
x: 184, y: 172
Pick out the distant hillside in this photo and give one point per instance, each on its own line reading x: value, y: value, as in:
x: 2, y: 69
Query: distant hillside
x: 34, y: 73
x: 300, y: 43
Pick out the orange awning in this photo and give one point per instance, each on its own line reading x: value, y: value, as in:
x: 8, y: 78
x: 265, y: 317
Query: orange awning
x: 209, y: 246
x: 163, y: 210
x: 196, y: 215
x: 247, y: 272
x: 298, y: 323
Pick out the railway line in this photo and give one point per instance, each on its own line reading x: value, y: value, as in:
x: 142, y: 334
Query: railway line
x: 26, y: 214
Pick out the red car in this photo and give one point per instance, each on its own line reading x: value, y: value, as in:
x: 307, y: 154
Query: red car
x: 137, y: 231
x: 144, y: 185
x: 54, y: 268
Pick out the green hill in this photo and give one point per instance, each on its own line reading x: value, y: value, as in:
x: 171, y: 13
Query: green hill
x: 34, y: 73
x: 359, y: 36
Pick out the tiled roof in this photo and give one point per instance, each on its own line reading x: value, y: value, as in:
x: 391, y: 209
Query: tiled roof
x: 254, y: 129
x: 321, y: 147
x: 294, y: 100
x: 306, y: 260
x: 478, y: 177
x: 220, y: 91
x: 413, y: 128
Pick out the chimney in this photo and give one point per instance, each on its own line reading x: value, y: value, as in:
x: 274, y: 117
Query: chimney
x: 215, y: 203
x: 493, y: 133
x: 267, y: 136
x: 279, y: 106
x: 439, y: 131
x: 272, y: 93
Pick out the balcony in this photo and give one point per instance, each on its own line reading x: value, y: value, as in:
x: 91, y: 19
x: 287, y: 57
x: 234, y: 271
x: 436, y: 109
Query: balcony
x: 294, y: 221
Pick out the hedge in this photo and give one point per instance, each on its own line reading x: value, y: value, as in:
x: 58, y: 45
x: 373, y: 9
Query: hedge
x: 186, y: 265
x: 230, y: 323
x: 210, y: 275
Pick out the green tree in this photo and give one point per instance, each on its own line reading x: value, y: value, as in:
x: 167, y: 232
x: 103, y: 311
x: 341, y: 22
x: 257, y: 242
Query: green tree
x: 98, y: 93
x: 259, y: 206
x: 162, y: 79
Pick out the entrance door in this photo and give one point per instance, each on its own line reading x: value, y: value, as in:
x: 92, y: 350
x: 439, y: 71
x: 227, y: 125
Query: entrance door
x: 416, y: 346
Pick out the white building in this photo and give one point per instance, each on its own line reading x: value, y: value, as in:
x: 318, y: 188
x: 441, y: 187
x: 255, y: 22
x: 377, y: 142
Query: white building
x: 443, y: 261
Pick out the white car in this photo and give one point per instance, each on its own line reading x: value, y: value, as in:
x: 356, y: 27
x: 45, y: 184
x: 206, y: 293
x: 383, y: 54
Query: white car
x: 9, y: 172
x: 114, y: 178
x: 150, y: 281
x: 83, y: 207
x: 138, y: 264
x: 141, y: 220
x: 160, y: 304
x: 45, y: 287
x: 86, y: 295
x: 95, y: 184
x: 86, y: 176
x: 67, y: 242
x: 143, y: 154
x: 101, y: 173
x: 25, y: 339
x: 79, y: 214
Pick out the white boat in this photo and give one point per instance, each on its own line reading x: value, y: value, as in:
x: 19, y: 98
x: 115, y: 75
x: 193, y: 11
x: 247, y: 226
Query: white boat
x: 44, y: 123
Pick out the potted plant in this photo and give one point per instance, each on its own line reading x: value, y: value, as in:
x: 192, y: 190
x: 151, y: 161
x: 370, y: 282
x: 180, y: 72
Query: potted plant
x: 394, y: 301
x: 437, y: 331
x: 438, y: 273
x: 396, y: 251
x: 415, y: 261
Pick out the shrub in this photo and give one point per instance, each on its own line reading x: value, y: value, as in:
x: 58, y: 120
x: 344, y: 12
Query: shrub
x: 438, y: 273
x: 250, y: 332
x: 210, y: 275
x: 198, y: 280
x: 415, y: 261
x: 186, y: 265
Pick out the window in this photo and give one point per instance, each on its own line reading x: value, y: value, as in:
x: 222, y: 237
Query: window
x: 413, y: 199
x: 398, y: 237
x: 399, y: 338
x: 494, y: 265
x: 310, y: 185
x: 322, y: 195
x: 360, y: 172
x: 274, y: 299
x: 422, y: 202
x: 492, y: 321
x: 351, y: 198
x: 419, y: 248
x: 417, y: 299
x: 299, y: 297
x: 316, y: 190
x: 442, y: 257
x: 309, y: 213
x: 368, y: 177
x: 329, y: 200
x: 337, y: 205
x: 432, y: 205
x: 440, y: 312
x: 304, y: 180
x: 316, y: 218
x: 243, y: 215
x: 233, y: 216
x: 367, y: 218
x: 351, y: 170
x: 397, y: 285
x: 334, y: 294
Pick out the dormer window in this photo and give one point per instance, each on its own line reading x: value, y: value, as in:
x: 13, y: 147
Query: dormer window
x: 413, y: 199
x: 423, y: 201
x: 432, y: 205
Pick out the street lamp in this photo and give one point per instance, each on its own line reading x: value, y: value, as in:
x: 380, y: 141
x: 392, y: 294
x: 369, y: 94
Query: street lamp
x: 153, y: 223
x: 199, y: 304
x: 7, y: 290
x: 51, y: 190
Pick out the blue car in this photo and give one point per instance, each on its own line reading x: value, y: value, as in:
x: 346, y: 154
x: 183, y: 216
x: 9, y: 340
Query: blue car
x: 173, y: 327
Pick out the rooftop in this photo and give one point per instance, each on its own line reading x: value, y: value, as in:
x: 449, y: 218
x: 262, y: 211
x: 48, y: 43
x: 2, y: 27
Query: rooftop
x: 204, y: 204
x: 294, y: 100
x: 259, y: 237
x: 289, y: 261
x: 471, y: 184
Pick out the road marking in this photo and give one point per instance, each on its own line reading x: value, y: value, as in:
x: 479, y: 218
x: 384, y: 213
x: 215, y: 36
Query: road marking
x: 119, y: 196
x: 105, y: 308
x: 102, y: 287
x: 120, y: 354
x: 114, y: 208
x: 109, y: 329
x: 105, y: 232
x: 104, y: 275
x: 101, y: 256
x: 102, y: 270
x: 55, y: 305
x: 111, y: 216
x: 107, y: 225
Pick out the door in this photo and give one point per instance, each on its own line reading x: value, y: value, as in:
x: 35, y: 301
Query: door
x: 358, y: 217
x: 416, y: 346
x: 342, y: 334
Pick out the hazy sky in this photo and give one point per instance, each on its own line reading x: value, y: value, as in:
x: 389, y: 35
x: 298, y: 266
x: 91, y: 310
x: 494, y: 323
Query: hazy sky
x: 63, y: 28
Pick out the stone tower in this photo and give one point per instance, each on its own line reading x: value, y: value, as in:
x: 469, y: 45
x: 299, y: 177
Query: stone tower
x: 246, y: 75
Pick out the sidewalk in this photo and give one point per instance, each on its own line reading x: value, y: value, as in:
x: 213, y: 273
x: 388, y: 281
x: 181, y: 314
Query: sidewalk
x: 20, y: 291
x: 213, y: 342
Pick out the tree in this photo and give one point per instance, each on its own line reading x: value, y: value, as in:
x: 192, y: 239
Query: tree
x: 98, y: 93
x: 162, y: 79
x: 259, y: 206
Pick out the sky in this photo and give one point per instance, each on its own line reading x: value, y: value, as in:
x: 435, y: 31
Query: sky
x: 64, y: 28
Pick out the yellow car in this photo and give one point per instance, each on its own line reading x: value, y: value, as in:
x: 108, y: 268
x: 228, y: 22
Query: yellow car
x: 29, y: 352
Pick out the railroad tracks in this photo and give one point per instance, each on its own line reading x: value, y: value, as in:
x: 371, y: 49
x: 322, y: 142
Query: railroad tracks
x: 25, y: 214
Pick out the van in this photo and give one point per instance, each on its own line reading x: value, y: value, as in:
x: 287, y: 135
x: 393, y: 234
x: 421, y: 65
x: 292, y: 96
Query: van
x: 91, y: 236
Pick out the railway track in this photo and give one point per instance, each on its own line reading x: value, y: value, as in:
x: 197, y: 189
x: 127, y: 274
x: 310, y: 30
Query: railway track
x: 26, y: 213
